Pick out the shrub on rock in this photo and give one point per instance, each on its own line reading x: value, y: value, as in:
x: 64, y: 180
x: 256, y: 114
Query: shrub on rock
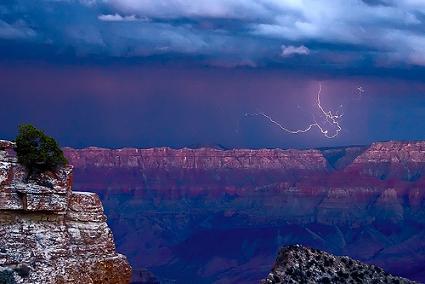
x: 38, y: 152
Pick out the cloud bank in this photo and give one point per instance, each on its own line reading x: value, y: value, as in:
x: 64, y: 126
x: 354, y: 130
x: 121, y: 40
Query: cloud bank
x: 372, y: 33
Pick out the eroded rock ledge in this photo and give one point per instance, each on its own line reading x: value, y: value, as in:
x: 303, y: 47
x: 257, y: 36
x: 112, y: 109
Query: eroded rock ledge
x: 49, y: 234
x: 298, y: 264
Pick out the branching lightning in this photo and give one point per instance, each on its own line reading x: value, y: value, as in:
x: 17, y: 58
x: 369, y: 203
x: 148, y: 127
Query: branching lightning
x: 327, y: 117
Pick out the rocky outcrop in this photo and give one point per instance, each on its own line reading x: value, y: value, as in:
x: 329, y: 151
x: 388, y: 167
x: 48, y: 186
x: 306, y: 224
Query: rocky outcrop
x: 298, y: 264
x: 50, y: 234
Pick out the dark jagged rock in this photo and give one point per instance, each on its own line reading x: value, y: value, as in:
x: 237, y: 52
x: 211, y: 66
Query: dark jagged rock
x: 298, y: 264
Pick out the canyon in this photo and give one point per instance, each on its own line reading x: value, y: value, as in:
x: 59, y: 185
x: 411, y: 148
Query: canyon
x: 217, y: 215
x: 51, y: 234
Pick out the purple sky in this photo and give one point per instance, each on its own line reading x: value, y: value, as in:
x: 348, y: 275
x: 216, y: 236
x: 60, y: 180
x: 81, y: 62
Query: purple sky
x: 179, y: 106
x: 186, y: 73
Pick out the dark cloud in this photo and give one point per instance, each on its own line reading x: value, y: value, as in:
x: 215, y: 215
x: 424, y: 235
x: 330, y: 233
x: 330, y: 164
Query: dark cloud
x: 372, y: 33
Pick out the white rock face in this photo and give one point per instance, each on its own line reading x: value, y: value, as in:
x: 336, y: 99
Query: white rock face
x: 49, y: 234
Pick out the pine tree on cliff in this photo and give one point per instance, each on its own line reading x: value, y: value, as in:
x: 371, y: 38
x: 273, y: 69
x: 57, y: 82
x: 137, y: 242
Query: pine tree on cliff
x: 38, y: 152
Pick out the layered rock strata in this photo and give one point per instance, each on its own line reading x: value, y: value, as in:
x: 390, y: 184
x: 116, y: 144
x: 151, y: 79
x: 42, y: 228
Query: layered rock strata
x: 166, y: 206
x: 50, y: 234
x: 400, y: 160
x: 203, y: 158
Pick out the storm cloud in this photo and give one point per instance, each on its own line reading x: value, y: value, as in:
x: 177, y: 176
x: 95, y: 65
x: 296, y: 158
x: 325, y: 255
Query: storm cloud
x: 244, y: 33
x: 184, y: 73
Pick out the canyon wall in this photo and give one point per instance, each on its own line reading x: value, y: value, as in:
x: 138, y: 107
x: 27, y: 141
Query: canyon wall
x: 50, y: 234
x: 203, y: 158
x: 221, y: 215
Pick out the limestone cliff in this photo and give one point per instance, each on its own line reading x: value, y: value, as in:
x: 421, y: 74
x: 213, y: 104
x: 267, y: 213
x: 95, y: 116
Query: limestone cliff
x: 49, y: 234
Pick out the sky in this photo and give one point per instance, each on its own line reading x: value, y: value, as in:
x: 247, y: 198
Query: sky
x: 225, y: 73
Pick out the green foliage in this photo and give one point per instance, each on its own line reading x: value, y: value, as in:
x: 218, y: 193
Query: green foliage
x: 38, y: 152
x: 6, y: 276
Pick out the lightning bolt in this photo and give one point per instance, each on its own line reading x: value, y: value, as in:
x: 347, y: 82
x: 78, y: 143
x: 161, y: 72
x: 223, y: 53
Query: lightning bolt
x: 328, y: 116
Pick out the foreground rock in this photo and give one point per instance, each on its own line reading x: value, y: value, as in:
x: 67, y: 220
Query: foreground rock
x: 298, y: 264
x: 49, y: 234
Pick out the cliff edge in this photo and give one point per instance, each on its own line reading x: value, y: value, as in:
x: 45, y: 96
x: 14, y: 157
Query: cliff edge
x: 49, y: 234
